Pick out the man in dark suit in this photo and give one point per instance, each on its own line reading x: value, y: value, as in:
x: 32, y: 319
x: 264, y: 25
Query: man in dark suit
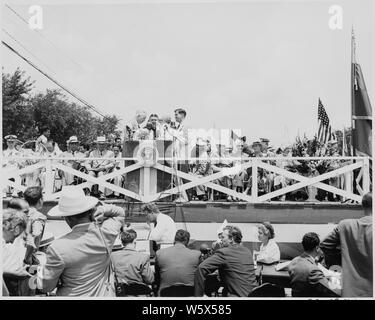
x: 130, y: 265
x: 176, y: 265
x: 353, y: 238
x: 307, y: 280
x: 235, y: 264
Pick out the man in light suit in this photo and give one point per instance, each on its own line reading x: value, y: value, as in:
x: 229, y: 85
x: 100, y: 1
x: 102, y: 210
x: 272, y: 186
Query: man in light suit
x: 235, y: 264
x: 353, y: 238
x: 78, y: 263
x: 306, y: 279
x: 176, y: 265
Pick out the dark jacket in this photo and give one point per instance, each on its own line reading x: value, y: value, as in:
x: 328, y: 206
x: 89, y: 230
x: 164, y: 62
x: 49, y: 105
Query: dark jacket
x: 306, y: 279
x: 353, y: 237
x: 132, y: 266
x: 236, y: 267
x: 176, y: 265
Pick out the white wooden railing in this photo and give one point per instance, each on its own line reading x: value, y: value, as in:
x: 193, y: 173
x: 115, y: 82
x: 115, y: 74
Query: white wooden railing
x: 148, y: 167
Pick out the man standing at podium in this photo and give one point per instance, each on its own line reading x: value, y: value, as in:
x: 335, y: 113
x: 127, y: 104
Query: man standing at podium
x: 164, y: 229
x: 180, y: 150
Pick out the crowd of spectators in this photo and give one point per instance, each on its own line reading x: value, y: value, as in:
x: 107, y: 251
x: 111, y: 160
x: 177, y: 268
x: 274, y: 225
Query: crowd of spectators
x: 85, y: 262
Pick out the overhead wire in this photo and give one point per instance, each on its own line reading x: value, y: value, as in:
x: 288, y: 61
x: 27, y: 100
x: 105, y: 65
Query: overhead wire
x: 44, y: 37
x: 53, y: 80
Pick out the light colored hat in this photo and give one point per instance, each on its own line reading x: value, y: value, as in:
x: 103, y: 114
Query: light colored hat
x: 72, y: 139
x: 221, y: 229
x: 47, y: 239
x: 10, y: 137
x: 256, y: 143
x: 100, y: 139
x: 201, y: 141
x: 72, y: 201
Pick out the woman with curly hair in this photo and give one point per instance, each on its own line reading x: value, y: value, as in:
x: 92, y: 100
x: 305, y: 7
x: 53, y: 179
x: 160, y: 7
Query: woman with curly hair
x: 269, y: 250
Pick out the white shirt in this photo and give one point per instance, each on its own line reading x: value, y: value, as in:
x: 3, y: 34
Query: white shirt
x: 269, y: 253
x: 165, y: 229
x: 39, y: 142
x: 13, y: 255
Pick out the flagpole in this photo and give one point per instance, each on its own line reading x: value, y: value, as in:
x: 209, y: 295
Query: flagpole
x: 352, y: 83
x: 343, y: 141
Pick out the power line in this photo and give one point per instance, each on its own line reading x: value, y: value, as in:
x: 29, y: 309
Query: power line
x: 26, y: 48
x: 53, y: 80
x: 44, y: 37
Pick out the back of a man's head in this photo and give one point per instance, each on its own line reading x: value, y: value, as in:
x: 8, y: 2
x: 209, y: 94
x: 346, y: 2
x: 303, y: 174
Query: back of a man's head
x: 234, y: 233
x: 310, y: 241
x: 182, y: 236
x: 128, y: 237
x: 150, y: 208
x: 367, y: 203
x: 32, y: 195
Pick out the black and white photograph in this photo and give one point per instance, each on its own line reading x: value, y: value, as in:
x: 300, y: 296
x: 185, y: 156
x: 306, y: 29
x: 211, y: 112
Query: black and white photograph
x: 201, y: 150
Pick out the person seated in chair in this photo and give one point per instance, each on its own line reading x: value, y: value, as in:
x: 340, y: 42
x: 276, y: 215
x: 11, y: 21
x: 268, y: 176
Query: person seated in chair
x: 97, y: 168
x: 306, y: 278
x: 71, y: 152
x: 176, y: 265
x: 131, y: 266
x: 119, y: 164
x: 269, y: 250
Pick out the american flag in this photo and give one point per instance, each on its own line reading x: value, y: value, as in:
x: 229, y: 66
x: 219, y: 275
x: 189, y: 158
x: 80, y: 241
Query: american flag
x: 325, y: 131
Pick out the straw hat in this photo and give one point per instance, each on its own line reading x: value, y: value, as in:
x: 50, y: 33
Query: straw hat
x: 72, y: 201
x: 10, y: 137
x: 72, y: 139
x: 100, y: 139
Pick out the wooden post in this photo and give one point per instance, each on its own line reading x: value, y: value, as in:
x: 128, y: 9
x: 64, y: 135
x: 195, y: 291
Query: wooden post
x: 366, y: 175
x: 49, y: 179
x: 254, y: 179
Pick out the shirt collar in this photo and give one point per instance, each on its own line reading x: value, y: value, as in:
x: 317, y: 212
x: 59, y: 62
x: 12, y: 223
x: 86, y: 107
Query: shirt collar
x: 82, y: 225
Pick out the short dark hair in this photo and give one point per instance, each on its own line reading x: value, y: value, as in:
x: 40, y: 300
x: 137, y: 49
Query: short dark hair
x: 150, y: 208
x: 33, y: 194
x: 16, y: 203
x: 128, y: 236
x: 182, y: 236
x: 234, y: 233
x: 310, y: 241
x: 181, y: 111
x: 367, y: 201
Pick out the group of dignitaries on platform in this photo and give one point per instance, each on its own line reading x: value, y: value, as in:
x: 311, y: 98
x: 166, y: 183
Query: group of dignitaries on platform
x: 207, y: 159
x: 84, y: 262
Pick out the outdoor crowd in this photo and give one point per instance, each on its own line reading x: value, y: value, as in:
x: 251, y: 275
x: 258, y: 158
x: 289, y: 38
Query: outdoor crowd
x: 208, y: 158
x: 84, y: 262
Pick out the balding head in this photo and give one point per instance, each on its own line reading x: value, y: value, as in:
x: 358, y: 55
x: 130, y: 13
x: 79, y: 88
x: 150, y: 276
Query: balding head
x: 367, y: 203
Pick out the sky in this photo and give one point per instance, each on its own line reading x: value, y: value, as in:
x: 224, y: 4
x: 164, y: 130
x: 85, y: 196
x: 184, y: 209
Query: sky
x: 258, y: 67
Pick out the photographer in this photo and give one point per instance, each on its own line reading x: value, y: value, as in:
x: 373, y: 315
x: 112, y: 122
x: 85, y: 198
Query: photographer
x: 81, y: 258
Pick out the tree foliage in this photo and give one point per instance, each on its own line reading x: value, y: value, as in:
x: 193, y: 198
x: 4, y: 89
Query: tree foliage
x: 24, y: 114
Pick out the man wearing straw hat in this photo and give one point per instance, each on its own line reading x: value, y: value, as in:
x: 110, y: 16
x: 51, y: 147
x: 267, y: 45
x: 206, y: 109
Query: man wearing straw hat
x: 72, y: 152
x: 97, y: 168
x: 78, y: 263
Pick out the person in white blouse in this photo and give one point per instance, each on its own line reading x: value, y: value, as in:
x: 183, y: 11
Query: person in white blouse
x: 269, y: 250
